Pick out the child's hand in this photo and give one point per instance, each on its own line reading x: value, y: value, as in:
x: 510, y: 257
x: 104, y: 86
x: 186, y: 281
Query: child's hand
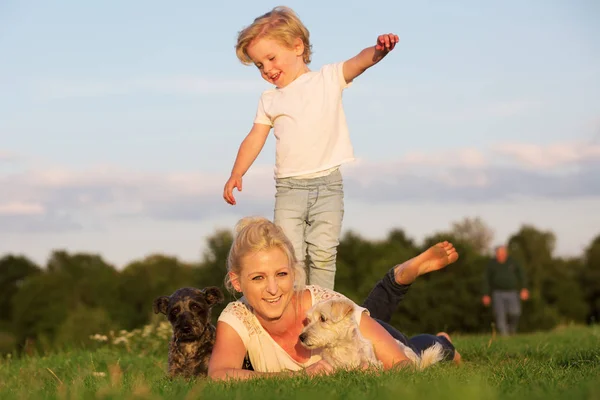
x: 234, y: 181
x: 387, y: 42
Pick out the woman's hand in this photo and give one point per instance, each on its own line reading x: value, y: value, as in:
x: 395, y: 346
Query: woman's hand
x: 321, y: 367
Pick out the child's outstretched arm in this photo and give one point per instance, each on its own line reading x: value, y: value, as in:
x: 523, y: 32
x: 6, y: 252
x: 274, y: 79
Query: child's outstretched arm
x: 369, y: 56
x: 249, y: 150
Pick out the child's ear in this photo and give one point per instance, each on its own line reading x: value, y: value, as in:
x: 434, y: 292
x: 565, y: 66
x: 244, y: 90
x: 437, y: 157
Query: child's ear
x: 298, y: 46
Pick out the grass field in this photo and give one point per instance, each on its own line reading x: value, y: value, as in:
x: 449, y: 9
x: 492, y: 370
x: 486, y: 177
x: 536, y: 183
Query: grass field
x: 563, y: 364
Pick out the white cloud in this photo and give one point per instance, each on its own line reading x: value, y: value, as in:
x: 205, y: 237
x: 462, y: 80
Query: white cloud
x: 102, y: 193
x: 575, y: 222
x: 550, y: 156
x: 469, y: 158
x: 21, y: 208
x: 47, y: 197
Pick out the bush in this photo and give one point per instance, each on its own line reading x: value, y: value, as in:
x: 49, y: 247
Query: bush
x: 152, y: 338
x: 7, y: 343
x: 80, y: 323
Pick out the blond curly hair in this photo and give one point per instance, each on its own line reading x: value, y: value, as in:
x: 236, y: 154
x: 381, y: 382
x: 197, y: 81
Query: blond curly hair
x: 281, y: 24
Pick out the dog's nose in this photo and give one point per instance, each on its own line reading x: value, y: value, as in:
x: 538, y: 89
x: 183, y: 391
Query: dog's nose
x: 303, y: 337
x: 186, y: 329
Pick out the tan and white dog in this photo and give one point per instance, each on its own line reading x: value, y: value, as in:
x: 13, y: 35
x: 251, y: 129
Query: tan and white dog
x: 332, y: 328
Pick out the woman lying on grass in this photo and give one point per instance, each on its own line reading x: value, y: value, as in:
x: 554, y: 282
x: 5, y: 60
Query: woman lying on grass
x: 265, y: 324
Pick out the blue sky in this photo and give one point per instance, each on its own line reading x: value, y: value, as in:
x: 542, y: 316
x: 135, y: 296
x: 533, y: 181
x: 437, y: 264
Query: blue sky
x: 120, y: 120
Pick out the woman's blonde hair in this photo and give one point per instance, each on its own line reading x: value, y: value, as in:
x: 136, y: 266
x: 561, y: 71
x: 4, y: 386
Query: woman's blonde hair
x: 254, y: 234
x: 281, y: 24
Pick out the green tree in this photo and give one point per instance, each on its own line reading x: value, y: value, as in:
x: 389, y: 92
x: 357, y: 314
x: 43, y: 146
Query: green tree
x: 534, y: 248
x: 561, y: 289
x: 213, y: 267
x: 354, y: 257
x: 475, y: 232
x: 94, y: 282
x: 448, y: 299
x: 13, y: 271
x: 590, y: 280
x: 79, y: 324
x: 40, y: 306
x: 144, y: 280
x: 69, y: 283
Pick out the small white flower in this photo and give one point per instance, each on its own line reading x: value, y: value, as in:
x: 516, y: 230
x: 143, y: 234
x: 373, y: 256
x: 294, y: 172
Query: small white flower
x: 120, y: 339
x: 148, y: 329
x: 99, y: 338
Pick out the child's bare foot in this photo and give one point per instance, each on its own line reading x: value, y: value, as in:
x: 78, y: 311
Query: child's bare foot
x: 457, y: 357
x: 436, y: 257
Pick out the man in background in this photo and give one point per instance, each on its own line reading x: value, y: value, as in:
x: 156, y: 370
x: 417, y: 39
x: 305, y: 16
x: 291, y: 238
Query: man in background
x: 505, y: 281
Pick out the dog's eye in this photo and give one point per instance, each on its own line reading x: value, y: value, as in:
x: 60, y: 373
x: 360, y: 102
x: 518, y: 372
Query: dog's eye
x: 323, y: 319
x: 195, y: 307
x: 175, y: 311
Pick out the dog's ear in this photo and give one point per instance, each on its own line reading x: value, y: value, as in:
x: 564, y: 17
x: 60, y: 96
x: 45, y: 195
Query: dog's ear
x: 213, y: 295
x: 161, y: 304
x: 340, y: 309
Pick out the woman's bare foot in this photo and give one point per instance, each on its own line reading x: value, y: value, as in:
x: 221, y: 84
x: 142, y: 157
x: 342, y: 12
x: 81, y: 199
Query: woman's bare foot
x: 457, y: 357
x: 434, y: 258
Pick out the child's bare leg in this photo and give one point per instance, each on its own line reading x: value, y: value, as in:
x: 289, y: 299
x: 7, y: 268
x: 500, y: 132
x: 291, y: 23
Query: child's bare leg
x: 434, y: 258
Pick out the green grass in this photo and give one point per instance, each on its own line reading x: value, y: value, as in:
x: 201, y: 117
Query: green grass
x: 564, y: 364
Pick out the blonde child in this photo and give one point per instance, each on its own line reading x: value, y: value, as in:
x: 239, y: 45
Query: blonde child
x: 312, y: 140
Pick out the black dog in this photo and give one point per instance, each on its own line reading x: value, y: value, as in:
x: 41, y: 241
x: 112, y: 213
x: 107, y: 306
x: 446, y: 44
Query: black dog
x: 188, y: 311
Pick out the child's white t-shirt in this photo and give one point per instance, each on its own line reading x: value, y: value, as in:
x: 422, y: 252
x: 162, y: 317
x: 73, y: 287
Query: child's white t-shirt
x: 309, y: 122
x: 264, y: 352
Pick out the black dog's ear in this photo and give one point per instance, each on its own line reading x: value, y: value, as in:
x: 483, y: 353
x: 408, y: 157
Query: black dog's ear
x: 213, y: 295
x: 161, y: 304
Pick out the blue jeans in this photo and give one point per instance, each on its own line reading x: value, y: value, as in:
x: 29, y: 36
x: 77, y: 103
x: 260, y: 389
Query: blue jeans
x: 310, y: 213
x: 384, y: 300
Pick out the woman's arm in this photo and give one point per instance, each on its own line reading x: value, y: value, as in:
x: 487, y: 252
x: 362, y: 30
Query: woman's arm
x: 228, y: 355
x: 386, y: 348
x: 229, y: 352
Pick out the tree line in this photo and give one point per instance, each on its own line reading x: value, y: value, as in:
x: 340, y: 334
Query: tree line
x: 78, y: 295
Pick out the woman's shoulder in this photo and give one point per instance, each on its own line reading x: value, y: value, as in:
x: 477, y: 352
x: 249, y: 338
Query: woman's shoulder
x: 238, y: 308
x: 238, y: 314
x: 320, y: 293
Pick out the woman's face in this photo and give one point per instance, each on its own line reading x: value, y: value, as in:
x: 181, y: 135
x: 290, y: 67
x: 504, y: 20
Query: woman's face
x: 267, y: 282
